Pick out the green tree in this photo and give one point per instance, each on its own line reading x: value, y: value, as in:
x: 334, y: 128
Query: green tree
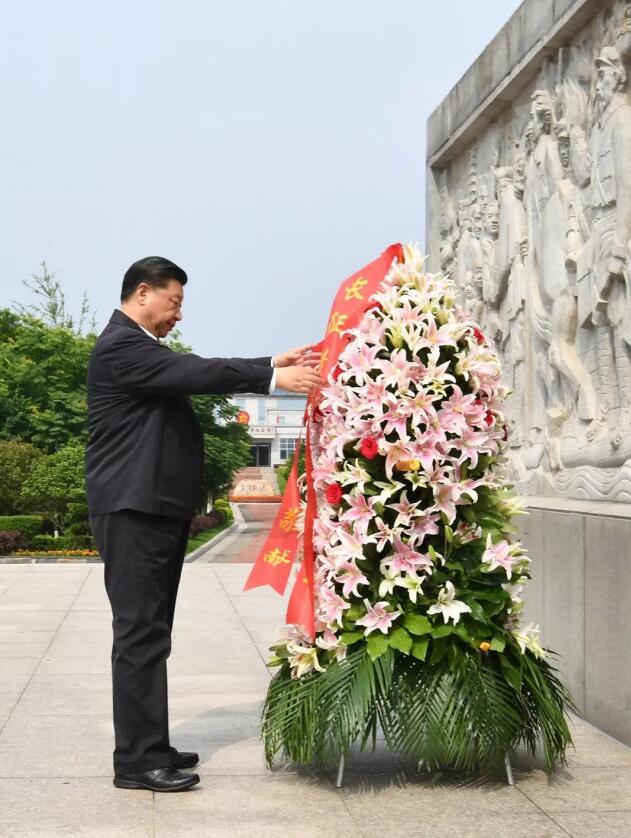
x: 56, y: 482
x: 42, y: 381
x: 17, y: 460
x: 226, y: 442
x: 51, y: 306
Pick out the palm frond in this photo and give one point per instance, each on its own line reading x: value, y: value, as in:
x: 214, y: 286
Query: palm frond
x: 459, y: 712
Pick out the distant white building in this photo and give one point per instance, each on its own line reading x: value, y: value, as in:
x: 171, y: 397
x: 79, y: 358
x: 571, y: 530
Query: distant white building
x: 274, y: 423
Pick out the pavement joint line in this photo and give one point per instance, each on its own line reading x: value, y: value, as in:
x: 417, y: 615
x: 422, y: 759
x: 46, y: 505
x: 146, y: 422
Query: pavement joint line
x: 342, y: 797
x: 45, y: 652
x: 543, y: 811
x: 245, y: 628
x: 12, y: 584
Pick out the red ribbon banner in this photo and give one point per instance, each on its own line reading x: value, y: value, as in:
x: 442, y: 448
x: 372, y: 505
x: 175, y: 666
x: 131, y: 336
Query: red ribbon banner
x: 273, y: 565
x: 274, y: 562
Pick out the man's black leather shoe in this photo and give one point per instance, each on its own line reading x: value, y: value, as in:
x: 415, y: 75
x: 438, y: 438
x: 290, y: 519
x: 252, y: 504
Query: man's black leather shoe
x: 184, y: 759
x: 157, y: 779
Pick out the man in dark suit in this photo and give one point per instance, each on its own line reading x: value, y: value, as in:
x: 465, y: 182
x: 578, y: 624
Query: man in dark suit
x: 144, y: 462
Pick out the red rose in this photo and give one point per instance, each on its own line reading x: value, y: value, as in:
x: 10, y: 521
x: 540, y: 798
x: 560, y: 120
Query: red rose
x: 477, y: 334
x: 336, y: 372
x: 333, y: 493
x: 369, y: 447
x: 489, y: 418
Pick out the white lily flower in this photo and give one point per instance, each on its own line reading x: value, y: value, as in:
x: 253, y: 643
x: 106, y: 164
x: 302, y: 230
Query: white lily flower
x: 303, y: 659
x: 387, y: 489
x: 528, y: 638
x: 354, y: 473
x: 413, y: 583
x: 447, y: 605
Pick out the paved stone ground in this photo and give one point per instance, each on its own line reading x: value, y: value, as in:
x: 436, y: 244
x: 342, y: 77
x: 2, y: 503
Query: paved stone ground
x: 56, y: 735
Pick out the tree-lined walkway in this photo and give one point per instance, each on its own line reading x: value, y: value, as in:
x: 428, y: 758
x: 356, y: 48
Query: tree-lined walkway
x: 242, y: 546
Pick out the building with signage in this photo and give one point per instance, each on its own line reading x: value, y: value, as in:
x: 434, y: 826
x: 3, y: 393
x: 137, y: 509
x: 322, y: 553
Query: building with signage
x: 274, y: 422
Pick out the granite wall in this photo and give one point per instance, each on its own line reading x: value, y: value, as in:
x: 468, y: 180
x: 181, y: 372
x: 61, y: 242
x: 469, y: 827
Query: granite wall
x: 529, y: 211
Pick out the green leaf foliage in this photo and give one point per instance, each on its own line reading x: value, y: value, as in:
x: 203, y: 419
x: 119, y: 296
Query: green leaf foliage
x: 400, y: 639
x: 419, y: 649
x: 417, y: 624
x: 458, y: 712
x: 377, y: 645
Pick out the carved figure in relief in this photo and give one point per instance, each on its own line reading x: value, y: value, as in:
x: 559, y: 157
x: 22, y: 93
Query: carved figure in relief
x: 604, y: 297
x: 561, y: 379
x: 488, y: 270
x: 505, y: 291
x: 539, y: 246
x: 448, y: 233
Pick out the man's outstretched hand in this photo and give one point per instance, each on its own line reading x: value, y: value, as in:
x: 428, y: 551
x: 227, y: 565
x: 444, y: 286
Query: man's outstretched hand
x: 298, y: 379
x: 303, y: 356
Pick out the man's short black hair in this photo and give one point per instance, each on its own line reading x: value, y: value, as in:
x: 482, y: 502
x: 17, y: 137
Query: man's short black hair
x: 154, y: 270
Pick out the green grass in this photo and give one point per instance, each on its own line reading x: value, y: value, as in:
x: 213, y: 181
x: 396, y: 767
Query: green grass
x: 203, y: 537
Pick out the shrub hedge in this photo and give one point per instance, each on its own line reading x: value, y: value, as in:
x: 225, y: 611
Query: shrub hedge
x: 64, y: 542
x: 27, y: 525
x: 11, y: 540
x: 206, y: 522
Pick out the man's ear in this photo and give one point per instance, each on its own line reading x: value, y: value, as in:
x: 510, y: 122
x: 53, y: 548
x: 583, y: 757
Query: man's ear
x: 142, y: 291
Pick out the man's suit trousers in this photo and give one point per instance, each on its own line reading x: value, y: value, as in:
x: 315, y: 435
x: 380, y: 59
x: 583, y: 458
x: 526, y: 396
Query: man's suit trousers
x: 143, y: 556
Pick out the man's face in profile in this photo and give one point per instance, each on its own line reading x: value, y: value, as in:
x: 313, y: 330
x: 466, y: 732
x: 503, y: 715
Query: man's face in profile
x: 162, y: 307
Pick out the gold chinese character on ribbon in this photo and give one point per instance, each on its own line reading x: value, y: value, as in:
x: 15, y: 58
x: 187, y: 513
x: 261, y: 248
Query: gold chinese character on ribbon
x: 336, y: 322
x: 324, y: 357
x: 276, y: 557
x: 353, y: 292
x: 289, y: 519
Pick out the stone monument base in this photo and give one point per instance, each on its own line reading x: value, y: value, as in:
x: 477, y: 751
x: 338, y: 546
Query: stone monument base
x: 581, y: 595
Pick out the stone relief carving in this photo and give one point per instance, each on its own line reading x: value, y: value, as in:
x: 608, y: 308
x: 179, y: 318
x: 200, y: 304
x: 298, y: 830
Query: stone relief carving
x: 535, y: 229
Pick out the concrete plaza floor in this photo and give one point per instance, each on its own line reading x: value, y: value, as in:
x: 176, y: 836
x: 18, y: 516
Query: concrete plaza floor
x: 56, y: 735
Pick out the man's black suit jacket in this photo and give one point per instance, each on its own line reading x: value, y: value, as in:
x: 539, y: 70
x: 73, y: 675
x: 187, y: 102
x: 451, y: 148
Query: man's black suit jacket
x: 145, y: 448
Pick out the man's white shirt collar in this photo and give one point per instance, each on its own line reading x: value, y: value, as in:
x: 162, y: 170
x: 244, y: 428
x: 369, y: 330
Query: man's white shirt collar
x: 146, y: 331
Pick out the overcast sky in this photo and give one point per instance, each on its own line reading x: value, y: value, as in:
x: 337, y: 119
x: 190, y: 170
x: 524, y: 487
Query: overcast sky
x: 269, y: 147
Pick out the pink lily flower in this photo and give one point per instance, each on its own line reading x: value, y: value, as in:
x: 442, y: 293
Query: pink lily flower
x: 406, y: 558
x: 377, y: 617
x: 453, y: 412
x: 360, y: 508
x: 396, y: 451
x: 445, y: 497
x: 362, y: 360
x: 425, y: 524
x: 332, y: 606
x: 425, y: 448
x: 351, y: 546
x: 396, y: 370
x: 376, y: 391
x: 498, y: 555
x: 423, y: 410
x: 405, y: 508
x: 434, y: 336
x: 472, y: 443
x: 397, y: 418
x: 350, y: 576
x: 384, y: 535
x: 434, y: 372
